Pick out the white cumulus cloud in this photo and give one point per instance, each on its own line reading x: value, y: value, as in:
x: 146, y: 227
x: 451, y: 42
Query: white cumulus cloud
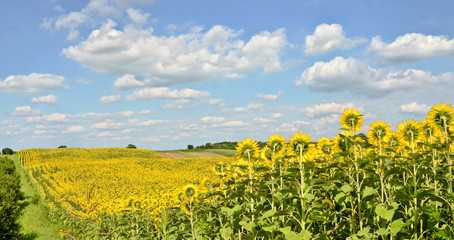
x: 164, y: 92
x: 73, y: 129
x: 351, y: 75
x: 110, y: 99
x: 264, y: 120
x: 178, y: 104
x: 324, y: 109
x: 52, y: 118
x: 414, y: 107
x: 250, y: 107
x: 232, y: 124
x: 137, y: 17
x: 32, y: 83
x: 128, y: 81
x: 410, y: 47
x: 25, y: 111
x: 177, y: 59
x: 328, y: 37
x: 269, y: 96
x: 93, y: 12
x: 212, y: 119
x: 293, y: 126
x: 49, y: 99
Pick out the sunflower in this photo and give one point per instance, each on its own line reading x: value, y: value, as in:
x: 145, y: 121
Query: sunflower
x: 299, y: 145
x: 451, y: 127
x: 393, y: 140
x: 219, y: 169
x: 267, y: 154
x: 351, y: 119
x: 190, y: 190
x: 205, y: 182
x: 379, y: 132
x: 440, y: 116
x: 325, y: 146
x: 409, y: 133
x: 430, y: 134
x: 247, y: 149
x: 276, y: 143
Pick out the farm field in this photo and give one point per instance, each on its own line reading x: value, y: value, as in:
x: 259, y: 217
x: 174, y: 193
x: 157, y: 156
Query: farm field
x: 198, y: 153
x: 113, y: 181
x: 381, y: 184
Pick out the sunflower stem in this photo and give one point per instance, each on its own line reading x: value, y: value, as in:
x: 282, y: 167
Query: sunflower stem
x: 445, y: 125
x: 250, y: 185
x: 302, y: 189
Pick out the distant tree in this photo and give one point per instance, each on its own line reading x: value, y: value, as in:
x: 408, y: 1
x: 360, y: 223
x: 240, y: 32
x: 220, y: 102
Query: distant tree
x: 8, y: 151
x: 190, y: 146
x: 62, y: 146
x: 208, y: 146
x: 131, y: 146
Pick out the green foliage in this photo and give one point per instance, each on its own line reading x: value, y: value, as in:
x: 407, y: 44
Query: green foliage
x: 224, y: 145
x: 7, y: 151
x: 360, y: 192
x: 9, y: 199
x: 62, y: 146
x: 369, y: 193
x: 131, y: 146
x: 190, y: 147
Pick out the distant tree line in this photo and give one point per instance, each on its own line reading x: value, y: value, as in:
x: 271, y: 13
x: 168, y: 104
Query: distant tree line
x: 7, y: 151
x: 131, y: 146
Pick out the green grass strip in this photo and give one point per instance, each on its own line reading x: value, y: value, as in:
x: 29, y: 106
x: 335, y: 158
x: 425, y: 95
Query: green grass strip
x: 34, y: 220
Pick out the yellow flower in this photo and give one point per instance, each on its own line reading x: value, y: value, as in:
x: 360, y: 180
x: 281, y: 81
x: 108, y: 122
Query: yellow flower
x: 409, y: 133
x: 219, y: 169
x: 430, y: 134
x: 325, y: 146
x: 451, y: 127
x: 190, y: 190
x: 351, y: 119
x: 205, y: 182
x: 440, y: 116
x: 327, y: 204
x: 276, y: 143
x: 379, y: 132
x: 300, y: 145
x: 247, y: 149
x: 393, y: 140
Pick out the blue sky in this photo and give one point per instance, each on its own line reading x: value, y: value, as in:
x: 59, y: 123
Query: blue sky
x: 165, y: 74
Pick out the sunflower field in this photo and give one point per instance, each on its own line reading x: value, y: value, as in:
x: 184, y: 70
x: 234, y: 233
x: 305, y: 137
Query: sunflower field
x: 374, y: 184
x: 117, y: 193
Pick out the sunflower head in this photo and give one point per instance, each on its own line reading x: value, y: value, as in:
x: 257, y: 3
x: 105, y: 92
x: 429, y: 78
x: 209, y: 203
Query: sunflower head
x: 205, y: 182
x: 276, y: 143
x: 266, y: 153
x: 379, y: 132
x: 190, y: 191
x: 440, y: 116
x: 409, y: 132
x: 247, y: 149
x: 351, y: 119
x: 325, y: 146
x: 299, y: 143
x: 219, y: 169
x: 428, y: 132
x: 393, y: 140
x: 451, y: 127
